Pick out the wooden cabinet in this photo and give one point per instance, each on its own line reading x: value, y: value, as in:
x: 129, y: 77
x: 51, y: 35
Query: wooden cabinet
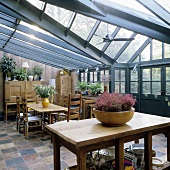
x: 13, y: 89
x: 63, y: 86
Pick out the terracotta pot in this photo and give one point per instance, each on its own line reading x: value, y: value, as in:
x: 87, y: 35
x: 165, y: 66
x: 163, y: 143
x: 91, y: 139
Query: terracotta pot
x: 113, y: 118
x: 45, y: 102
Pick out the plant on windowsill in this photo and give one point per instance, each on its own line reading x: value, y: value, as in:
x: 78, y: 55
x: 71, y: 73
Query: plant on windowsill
x: 95, y: 88
x: 30, y: 75
x: 114, y: 109
x: 82, y: 86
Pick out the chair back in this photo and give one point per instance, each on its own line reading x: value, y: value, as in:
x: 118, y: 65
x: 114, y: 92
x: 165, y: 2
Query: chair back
x: 74, y: 106
x: 24, y: 108
x: 18, y: 106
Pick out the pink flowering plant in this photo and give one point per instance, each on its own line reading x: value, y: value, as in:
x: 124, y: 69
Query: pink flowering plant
x: 114, y: 102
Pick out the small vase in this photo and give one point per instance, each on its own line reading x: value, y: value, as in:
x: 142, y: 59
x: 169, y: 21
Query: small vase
x: 45, y: 102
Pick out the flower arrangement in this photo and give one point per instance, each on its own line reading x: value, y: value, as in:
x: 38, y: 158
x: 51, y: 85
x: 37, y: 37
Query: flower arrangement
x: 44, y: 91
x: 114, y: 102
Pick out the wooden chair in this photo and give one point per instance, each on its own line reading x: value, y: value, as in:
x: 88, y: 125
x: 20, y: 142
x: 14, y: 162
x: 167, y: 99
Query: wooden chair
x: 86, y: 108
x: 30, y: 122
x: 74, y: 103
x: 20, y: 115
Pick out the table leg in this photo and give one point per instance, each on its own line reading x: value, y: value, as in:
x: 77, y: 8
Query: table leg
x: 81, y: 159
x: 148, y: 151
x: 56, y: 151
x: 6, y: 110
x: 119, y: 154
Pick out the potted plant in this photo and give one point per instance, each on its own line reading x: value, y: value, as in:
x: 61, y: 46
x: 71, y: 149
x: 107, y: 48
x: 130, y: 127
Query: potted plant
x: 30, y: 75
x: 7, y: 66
x: 95, y: 88
x: 21, y: 74
x: 82, y: 86
x: 37, y: 72
x: 45, y: 91
x: 114, y: 109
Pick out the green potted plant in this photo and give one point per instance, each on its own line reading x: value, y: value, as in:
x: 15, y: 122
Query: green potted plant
x: 95, y: 88
x: 82, y: 86
x: 37, y: 72
x: 30, y: 75
x: 7, y: 66
x: 21, y: 74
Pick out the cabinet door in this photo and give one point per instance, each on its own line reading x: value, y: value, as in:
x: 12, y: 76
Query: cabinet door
x: 64, y: 84
x: 30, y: 85
x: 13, y: 89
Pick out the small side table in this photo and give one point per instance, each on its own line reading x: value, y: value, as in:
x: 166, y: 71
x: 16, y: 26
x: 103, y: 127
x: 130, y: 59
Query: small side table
x: 8, y: 105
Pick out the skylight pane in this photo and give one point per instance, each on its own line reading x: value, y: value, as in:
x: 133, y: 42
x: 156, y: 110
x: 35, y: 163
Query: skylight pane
x: 164, y: 3
x: 61, y: 15
x: 132, y: 48
x: 115, y: 46
x: 101, y: 32
x: 82, y: 26
x: 37, y: 3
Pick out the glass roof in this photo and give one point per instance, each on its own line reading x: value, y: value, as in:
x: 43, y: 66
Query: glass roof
x: 165, y: 4
x: 61, y: 15
x: 115, y: 46
x: 132, y: 48
x: 101, y: 32
x: 82, y: 25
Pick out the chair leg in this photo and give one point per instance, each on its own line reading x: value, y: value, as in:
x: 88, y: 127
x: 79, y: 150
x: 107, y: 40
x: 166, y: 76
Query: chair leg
x: 26, y: 131
x: 17, y: 124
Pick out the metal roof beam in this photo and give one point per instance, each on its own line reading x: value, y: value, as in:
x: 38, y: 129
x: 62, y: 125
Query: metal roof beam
x: 156, y: 9
x: 30, y: 12
x: 70, y: 23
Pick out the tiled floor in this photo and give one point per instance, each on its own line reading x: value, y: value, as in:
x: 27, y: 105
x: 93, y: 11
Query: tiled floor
x: 17, y: 153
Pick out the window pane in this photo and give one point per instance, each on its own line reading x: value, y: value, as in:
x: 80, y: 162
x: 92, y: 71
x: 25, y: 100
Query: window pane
x: 85, y: 77
x: 167, y: 73
x: 145, y: 54
x: 134, y: 76
x: 95, y: 76
x: 146, y: 88
x: 117, y: 87
x: 156, y: 74
x: 122, y: 87
x: 146, y: 75
x: 91, y: 76
x: 82, y: 25
x: 82, y: 77
x: 101, y: 74
x: 156, y: 88
x: 116, y: 75
x: 122, y: 75
x: 134, y: 87
x: 156, y: 49
x: 167, y: 50
x: 168, y: 88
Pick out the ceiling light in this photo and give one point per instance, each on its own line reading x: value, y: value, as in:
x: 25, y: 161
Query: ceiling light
x: 78, y: 71
x: 87, y: 70
x: 97, y: 69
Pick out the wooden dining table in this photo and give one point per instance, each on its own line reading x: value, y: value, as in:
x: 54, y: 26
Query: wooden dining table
x: 87, y: 135
x: 50, y: 110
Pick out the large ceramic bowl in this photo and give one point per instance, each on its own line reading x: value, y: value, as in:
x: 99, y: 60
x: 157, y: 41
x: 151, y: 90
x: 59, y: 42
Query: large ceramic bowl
x: 114, y: 118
